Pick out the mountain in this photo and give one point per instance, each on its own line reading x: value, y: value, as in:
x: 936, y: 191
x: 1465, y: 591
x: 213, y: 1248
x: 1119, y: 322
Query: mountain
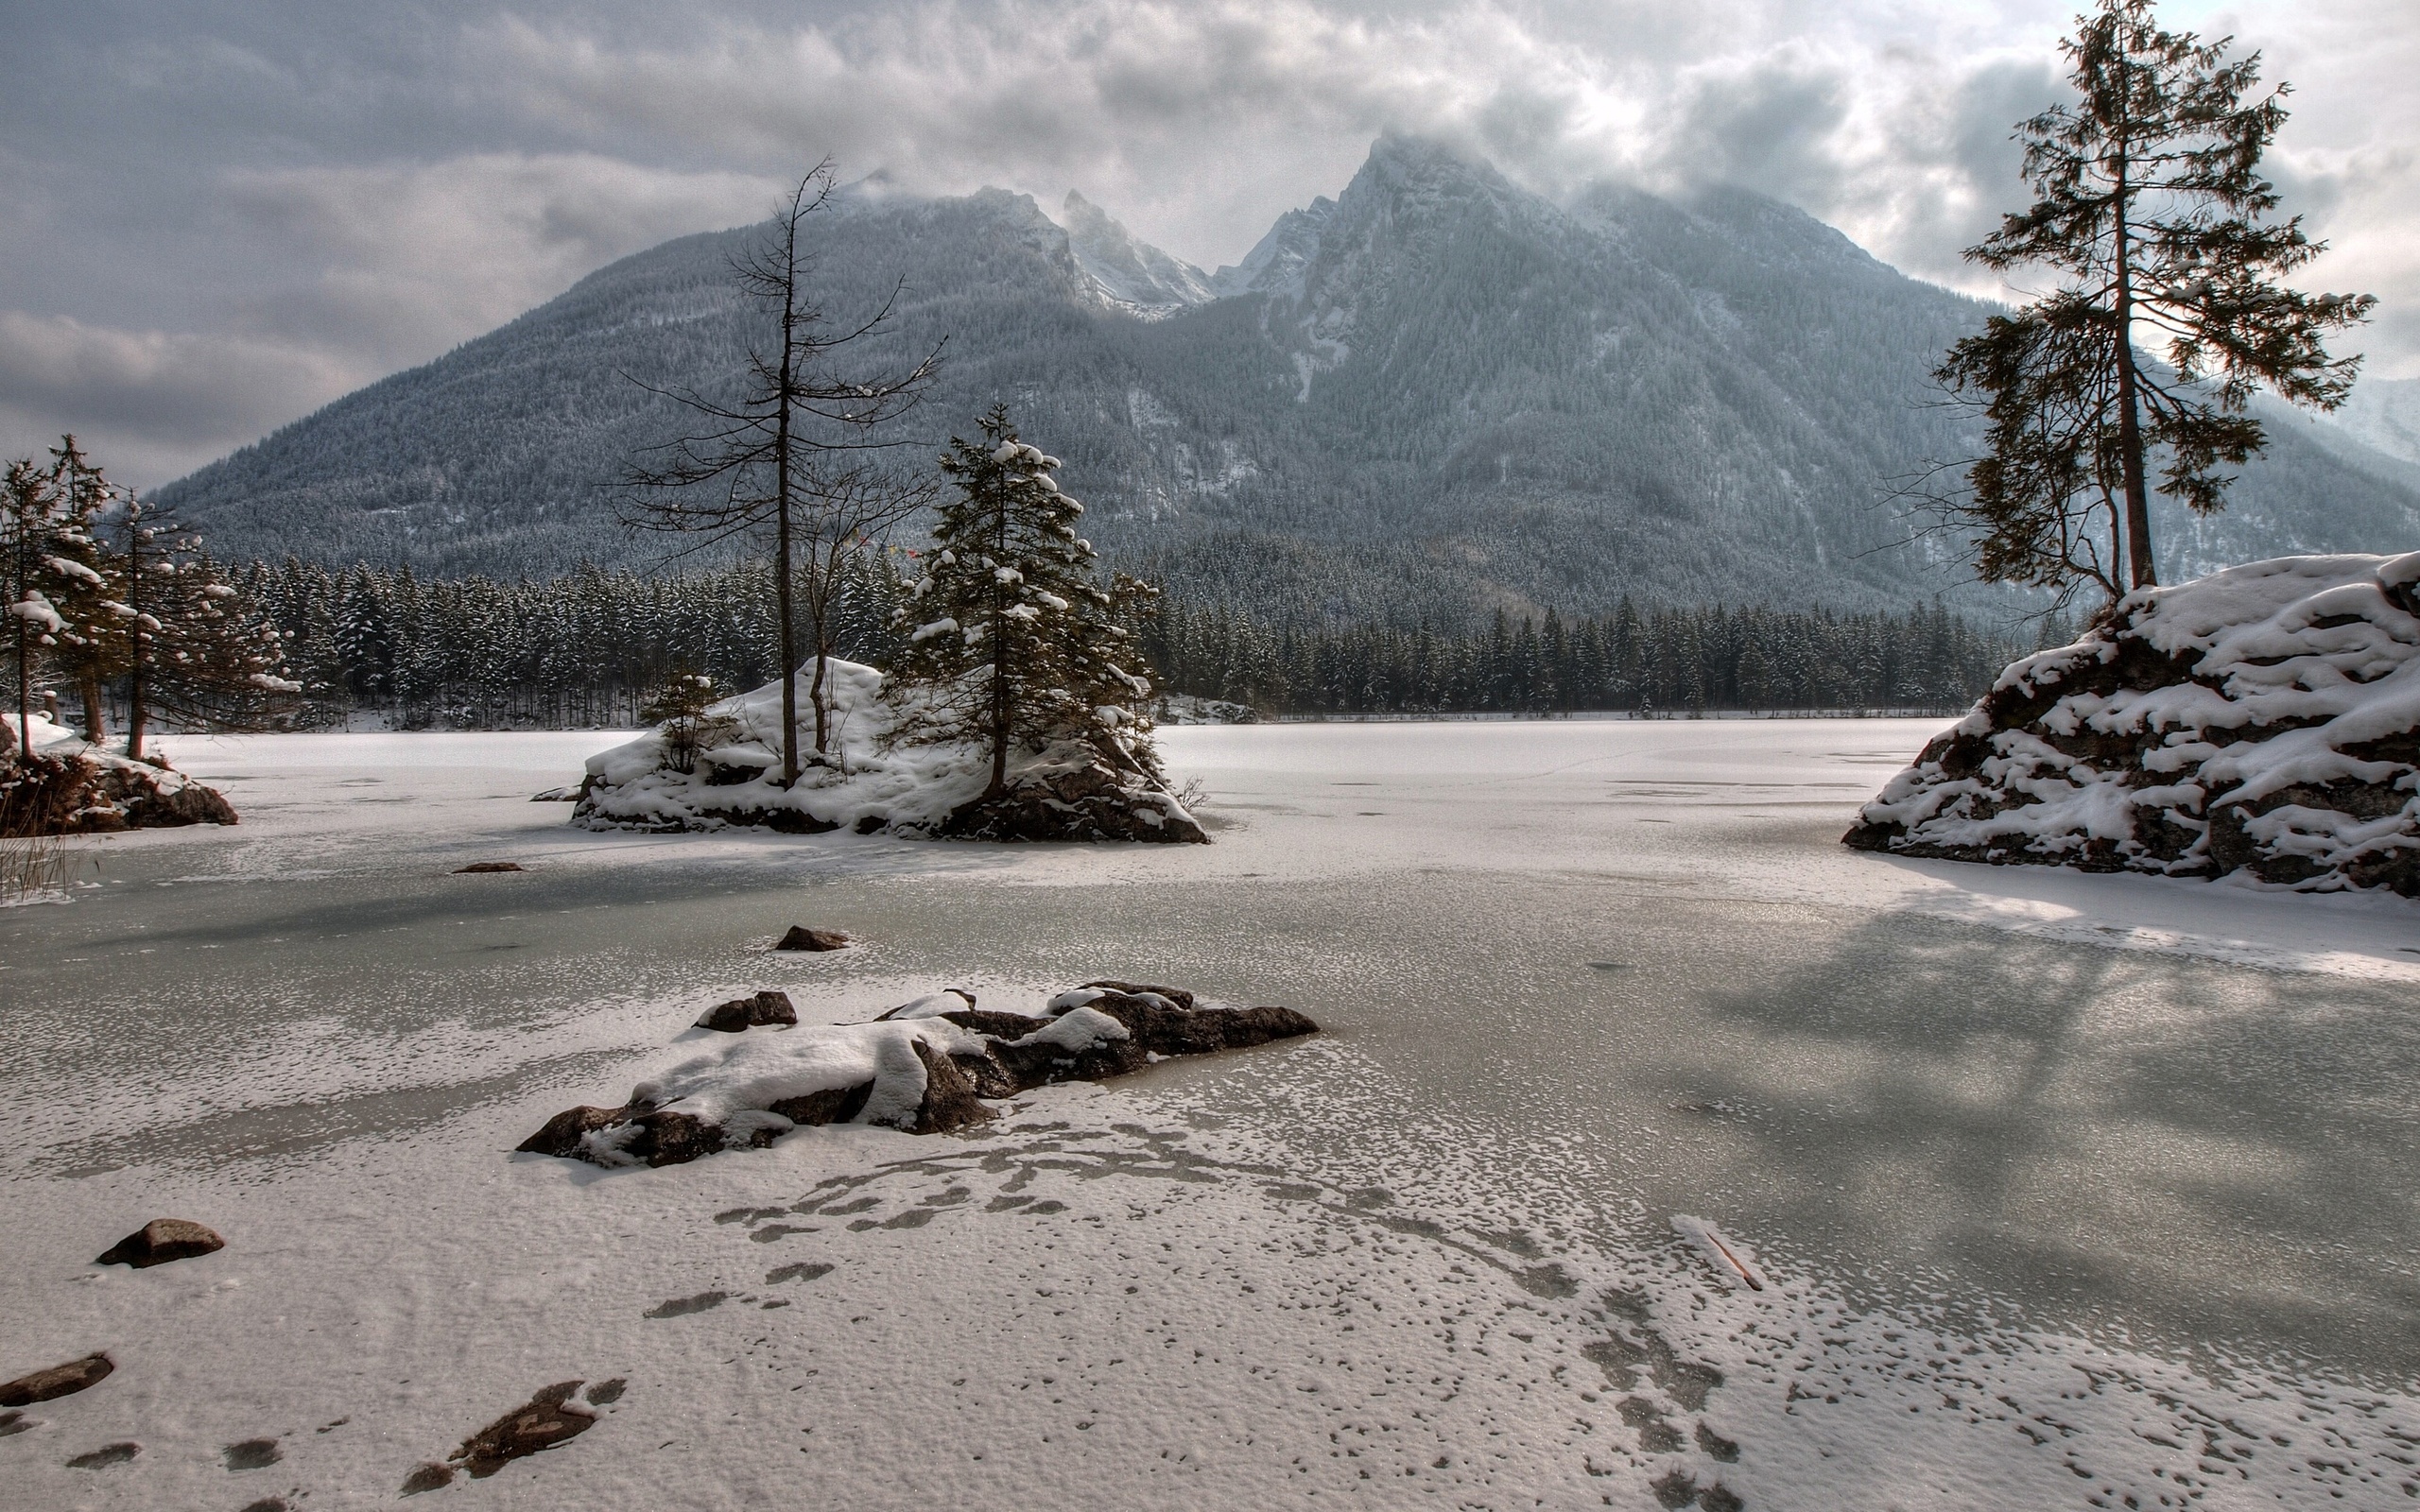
x: 1433, y: 395
x: 1130, y: 275
x: 2384, y: 415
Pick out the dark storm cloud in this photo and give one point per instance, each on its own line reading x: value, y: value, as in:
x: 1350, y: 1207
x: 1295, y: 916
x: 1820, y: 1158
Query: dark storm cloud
x: 297, y: 198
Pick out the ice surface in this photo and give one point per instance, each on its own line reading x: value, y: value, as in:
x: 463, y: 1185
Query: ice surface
x: 2064, y: 1189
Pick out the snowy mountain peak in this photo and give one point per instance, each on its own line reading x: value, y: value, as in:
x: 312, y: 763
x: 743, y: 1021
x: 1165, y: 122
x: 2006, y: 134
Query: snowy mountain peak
x: 1275, y: 263
x: 1130, y: 275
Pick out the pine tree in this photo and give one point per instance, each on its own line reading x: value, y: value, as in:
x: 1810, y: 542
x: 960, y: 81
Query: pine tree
x: 2151, y: 211
x: 84, y: 585
x: 27, y: 522
x: 1011, y: 642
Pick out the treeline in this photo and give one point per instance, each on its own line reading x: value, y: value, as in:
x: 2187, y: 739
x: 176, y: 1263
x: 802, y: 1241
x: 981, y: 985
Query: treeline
x: 592, y: 648
x: 1668, y: 660
x: 583, y: 650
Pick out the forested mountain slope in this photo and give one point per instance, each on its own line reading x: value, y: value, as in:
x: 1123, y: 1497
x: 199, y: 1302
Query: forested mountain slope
x: 1437, y: 394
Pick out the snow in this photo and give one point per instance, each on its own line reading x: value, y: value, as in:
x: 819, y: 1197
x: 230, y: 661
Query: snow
x: 1076, y: 1029
x: 2064, y: 1189
x: 36, y: 609
x: 748, y: 1072
x: 864, y: 779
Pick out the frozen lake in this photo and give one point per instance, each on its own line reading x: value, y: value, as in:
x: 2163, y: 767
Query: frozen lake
x: 2067, y: 1191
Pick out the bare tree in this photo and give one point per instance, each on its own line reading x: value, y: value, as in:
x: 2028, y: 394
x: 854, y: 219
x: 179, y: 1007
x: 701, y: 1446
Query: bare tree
x: 849, y: 512
x: 797, y: 453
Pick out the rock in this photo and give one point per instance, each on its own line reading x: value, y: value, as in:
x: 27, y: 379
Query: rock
x: 803, y: 938
x: 562, y: 1133
x: 430, y: 1476
x: 949, y: 1098
x: 740, y: 1014
x: 105, y: 1456
x: 539, y: 1425
x: 478, y: 868
x: 85, y: 792
x: 1095, y: 801
x: 835, y: 1105
x: 670, y: 1138
x: 1115, y: 1032
x: 59, y: 1381
x: 2256, y: 721
x: 1164, y: 1029
x: 160, y: 1241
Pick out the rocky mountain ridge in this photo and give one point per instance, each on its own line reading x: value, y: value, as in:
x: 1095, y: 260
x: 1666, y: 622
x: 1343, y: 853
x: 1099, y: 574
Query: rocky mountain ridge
x: 1435, y: 395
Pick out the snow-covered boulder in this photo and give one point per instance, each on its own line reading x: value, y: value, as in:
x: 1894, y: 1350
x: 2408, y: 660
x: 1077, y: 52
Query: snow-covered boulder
x: 2262, y: 720
x: 64, y: 785
x: 1092, y: 789
x: 923, y: 1068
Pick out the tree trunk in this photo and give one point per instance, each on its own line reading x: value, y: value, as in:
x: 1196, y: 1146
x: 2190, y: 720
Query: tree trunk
x: 96, y: 725
x: 2130, y: 424
x: 823, y: 680
x: 782, y: 506
x: 24, y: 692
x: 999, y: 653
x: 137, y: 646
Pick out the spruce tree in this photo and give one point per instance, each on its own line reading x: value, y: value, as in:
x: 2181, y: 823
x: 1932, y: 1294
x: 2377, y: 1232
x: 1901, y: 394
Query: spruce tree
x: 84, y: 584
x: 1010, y: 641
x: 2152, y: 212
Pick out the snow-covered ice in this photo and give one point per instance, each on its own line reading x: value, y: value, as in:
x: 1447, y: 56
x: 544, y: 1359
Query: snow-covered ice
x: 2063, y: 1189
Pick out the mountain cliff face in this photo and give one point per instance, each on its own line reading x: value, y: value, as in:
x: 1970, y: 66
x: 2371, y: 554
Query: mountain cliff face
x: 1434, y: 395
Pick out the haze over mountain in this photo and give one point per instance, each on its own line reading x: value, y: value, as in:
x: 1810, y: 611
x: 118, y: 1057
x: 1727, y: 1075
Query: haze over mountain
x: 1434, y: 394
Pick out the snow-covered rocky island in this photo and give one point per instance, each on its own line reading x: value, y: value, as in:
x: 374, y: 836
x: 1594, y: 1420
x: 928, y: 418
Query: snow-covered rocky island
x: 64, y: 784
x: 723, y: 768
x: 2264, y: 720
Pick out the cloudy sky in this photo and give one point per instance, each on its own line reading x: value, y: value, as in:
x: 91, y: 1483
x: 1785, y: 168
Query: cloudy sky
x: 218, y: 214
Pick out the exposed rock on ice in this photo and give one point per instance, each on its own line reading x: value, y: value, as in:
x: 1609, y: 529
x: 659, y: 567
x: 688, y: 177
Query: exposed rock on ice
x: 803, y: 938
x: 2262, y: 720
x: 59, y: 1381
x: 160, y: 1241
x: 750, y: 1012
x: 541, y: 1422
x: 68, y: 786
x: 1092, y: 789
x: 923, y: 1072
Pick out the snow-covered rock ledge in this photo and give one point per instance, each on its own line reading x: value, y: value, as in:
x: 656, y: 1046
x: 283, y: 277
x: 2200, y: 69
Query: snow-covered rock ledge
x: 2264, y: 720
x: 924, y: 1067
x: 64, y: 785
x: 1075, y: 790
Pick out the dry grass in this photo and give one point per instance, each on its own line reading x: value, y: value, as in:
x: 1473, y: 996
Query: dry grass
x: 33, y: 867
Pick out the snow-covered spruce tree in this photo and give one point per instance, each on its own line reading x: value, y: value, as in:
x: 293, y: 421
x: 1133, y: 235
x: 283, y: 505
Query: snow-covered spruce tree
x: 1013, y: 645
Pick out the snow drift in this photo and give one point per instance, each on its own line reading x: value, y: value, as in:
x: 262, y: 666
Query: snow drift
x: 727, y: 771
x: 2264, y: 720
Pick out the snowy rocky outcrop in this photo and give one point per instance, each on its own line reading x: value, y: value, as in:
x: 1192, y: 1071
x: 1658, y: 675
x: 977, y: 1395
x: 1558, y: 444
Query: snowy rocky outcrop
x: 2264, y: 720
x: 1075, y: 790
x: 924, y: 1068
x: 68, y: 786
